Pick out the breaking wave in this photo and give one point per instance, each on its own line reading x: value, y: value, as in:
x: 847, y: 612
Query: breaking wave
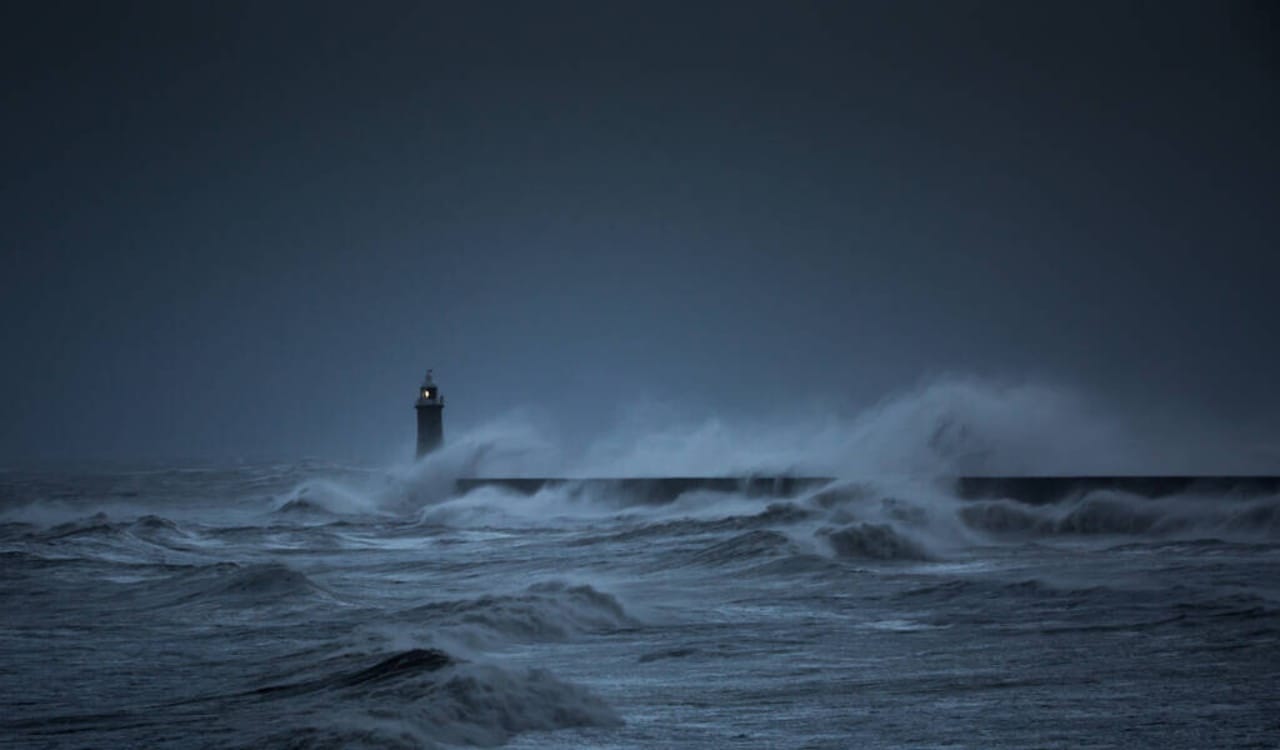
x: 1117, y: 513
x: 225, y: 585
x: 424, y: 698
x: 874, y: 541
x: 263, y: 583
x: 750, y: 546
x: 415, y: 698
x: 551, y: 610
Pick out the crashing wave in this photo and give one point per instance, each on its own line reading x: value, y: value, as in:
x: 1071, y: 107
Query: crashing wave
x: 749, y: 546
x: 552, y: 610
x: 427, y: 698
x: 231, y: 585
x: 874, y: 541
x: 1121, y: 514
x: 267, y: 580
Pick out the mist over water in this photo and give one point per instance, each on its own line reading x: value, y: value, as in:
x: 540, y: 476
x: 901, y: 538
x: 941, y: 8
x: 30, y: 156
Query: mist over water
x: 321, y: 605
x: 947, y: 426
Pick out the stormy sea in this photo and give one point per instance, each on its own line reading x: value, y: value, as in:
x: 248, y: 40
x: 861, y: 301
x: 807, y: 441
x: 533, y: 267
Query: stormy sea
x: 318, y: 605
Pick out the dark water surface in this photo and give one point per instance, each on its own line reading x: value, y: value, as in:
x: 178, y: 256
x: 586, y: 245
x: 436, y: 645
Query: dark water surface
x: 320, y: 606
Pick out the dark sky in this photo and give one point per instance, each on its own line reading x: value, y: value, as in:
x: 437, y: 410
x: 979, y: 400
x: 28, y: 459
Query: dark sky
x: 244, y: 229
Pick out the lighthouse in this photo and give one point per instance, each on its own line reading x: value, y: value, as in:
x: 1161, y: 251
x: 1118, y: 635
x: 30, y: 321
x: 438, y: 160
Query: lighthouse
x: 430, y: 407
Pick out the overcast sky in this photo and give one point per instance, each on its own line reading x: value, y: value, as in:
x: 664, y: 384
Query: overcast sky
x: 245, y: 229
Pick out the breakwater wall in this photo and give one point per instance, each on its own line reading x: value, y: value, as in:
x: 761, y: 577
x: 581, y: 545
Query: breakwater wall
x: 1028, y: 489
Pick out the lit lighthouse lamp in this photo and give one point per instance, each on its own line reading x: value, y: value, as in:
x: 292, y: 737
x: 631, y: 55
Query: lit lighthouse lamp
x: 430, y: 408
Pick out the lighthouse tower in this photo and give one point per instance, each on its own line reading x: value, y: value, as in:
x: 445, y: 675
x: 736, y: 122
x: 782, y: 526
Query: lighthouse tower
x: 430, y: 407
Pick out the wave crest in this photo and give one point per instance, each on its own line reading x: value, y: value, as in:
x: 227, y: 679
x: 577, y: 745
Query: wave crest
x: 552, y: 610
x: 427, y: 698
x: 1121, y: 514
x: 875, y: 541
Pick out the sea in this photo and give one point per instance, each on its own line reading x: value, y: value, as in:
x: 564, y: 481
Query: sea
x: 319, y: 605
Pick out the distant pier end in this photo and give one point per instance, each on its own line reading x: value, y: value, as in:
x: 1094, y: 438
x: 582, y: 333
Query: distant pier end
x: 430, y: 408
